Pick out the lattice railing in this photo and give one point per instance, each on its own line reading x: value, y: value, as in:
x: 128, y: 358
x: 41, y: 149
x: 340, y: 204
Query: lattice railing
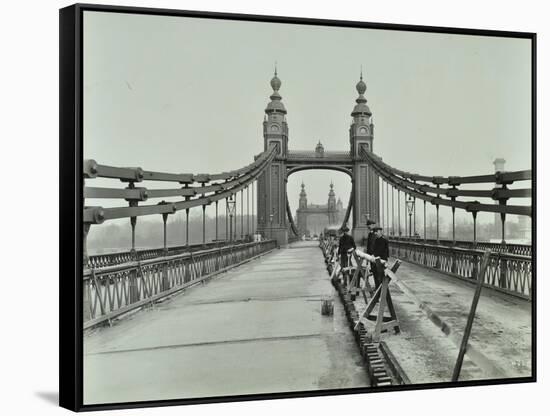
x: 519, y: 249
x: 111, y: 259
x: 506, y: 272
x: 114, y: 290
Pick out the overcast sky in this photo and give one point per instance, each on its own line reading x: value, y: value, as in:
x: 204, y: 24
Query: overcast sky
x: 188, y: 95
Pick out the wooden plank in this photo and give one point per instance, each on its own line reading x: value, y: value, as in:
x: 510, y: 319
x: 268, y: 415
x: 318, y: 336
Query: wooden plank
x: 471, y: 316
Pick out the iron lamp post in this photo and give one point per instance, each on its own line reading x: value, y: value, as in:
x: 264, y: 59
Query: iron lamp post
x: 231, y: 209
x: 410, y: 209
x: 271, y: 226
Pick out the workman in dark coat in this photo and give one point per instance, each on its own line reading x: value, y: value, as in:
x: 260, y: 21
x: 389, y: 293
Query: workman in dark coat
x: 346, y: 242
x: 370, y: 237
x: 381, y: 249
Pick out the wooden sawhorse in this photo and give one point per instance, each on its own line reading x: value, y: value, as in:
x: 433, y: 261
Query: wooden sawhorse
x: 382, y: 296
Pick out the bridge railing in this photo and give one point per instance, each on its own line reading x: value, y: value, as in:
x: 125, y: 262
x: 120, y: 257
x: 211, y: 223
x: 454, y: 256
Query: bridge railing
x: 117, y: 289
x: 506, y: 272
x: 110, y: 259
x: 519, y: 249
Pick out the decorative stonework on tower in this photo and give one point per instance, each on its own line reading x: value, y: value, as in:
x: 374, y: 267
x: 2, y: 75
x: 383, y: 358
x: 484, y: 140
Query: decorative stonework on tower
x: 302, y: 203
x: 365, y: 181
x: 331, y: 204
x: 361, y: 132
x: 272, y: 221
x: 275, y: 126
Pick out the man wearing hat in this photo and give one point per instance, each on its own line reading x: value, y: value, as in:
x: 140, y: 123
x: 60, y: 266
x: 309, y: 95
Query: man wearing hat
x: 380, y: 248
x: 370, y: 237
x: 346, y: 242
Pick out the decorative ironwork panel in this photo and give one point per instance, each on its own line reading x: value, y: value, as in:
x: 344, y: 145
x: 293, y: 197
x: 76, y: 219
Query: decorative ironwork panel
x: 510, y: 273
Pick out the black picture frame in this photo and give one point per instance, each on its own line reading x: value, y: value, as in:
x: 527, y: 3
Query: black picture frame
x: 71, y: 201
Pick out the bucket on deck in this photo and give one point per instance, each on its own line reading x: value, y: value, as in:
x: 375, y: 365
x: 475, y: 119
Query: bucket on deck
x: 327, y: 307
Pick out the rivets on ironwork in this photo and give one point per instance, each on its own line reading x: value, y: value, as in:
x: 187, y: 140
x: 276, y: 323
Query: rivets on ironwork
x: 90, y: 168
x: 139, y: 174
x: 99, y: 215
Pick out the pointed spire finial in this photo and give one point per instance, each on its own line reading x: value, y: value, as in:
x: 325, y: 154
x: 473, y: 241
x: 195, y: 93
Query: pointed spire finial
x: 361, y: 75
x: 275, y: 68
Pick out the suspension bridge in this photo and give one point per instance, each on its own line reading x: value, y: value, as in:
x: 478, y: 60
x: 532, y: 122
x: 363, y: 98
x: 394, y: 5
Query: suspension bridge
x: 242, y: 314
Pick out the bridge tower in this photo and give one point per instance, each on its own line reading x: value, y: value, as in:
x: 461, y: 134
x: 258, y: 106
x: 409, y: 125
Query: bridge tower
x: 331, y: 206
x: 364, y: 181
x: 301, y: 214
x: 272, y: 221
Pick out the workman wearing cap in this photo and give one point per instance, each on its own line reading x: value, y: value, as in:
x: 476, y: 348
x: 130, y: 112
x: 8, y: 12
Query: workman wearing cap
x: 380, y: 250
x: 380, y: 247
x: 370, y: 237
x: 346, y: 242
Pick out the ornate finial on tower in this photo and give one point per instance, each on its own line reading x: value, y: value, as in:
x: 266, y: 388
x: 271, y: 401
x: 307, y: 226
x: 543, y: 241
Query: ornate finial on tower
x: 275, y: 105
x: 361, y: 107
x: 361, y: 86
x: 275, y: 81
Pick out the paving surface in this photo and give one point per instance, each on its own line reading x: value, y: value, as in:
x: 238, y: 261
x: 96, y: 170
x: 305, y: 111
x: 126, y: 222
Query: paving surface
x: 500, y: 341
x: 255, y: 329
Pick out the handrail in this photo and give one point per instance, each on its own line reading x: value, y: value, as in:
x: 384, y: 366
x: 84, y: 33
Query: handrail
x: 512, y: 248
x: 87, y: 272
x: 507, y: 272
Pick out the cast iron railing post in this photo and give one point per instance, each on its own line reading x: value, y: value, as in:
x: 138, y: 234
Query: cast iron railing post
x: 392, y: 212
x: 226, y: 222
x: 387, y: 209
x: 474, y: 247
x: 216, y: 222
x: 86, y: 301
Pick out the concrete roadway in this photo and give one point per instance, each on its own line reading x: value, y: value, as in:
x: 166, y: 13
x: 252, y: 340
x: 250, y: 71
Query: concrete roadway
x: 255, y: 329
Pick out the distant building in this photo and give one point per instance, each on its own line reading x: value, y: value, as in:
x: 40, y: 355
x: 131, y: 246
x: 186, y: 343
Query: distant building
x: 313, y: 218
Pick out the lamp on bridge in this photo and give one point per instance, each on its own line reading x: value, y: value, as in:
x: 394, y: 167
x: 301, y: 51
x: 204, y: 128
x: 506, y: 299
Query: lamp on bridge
x: 231, y: 203
x: 271, y: 226
x: 410, y: 209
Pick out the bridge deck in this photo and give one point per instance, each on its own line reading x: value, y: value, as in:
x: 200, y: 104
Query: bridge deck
x: 256, y: 329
